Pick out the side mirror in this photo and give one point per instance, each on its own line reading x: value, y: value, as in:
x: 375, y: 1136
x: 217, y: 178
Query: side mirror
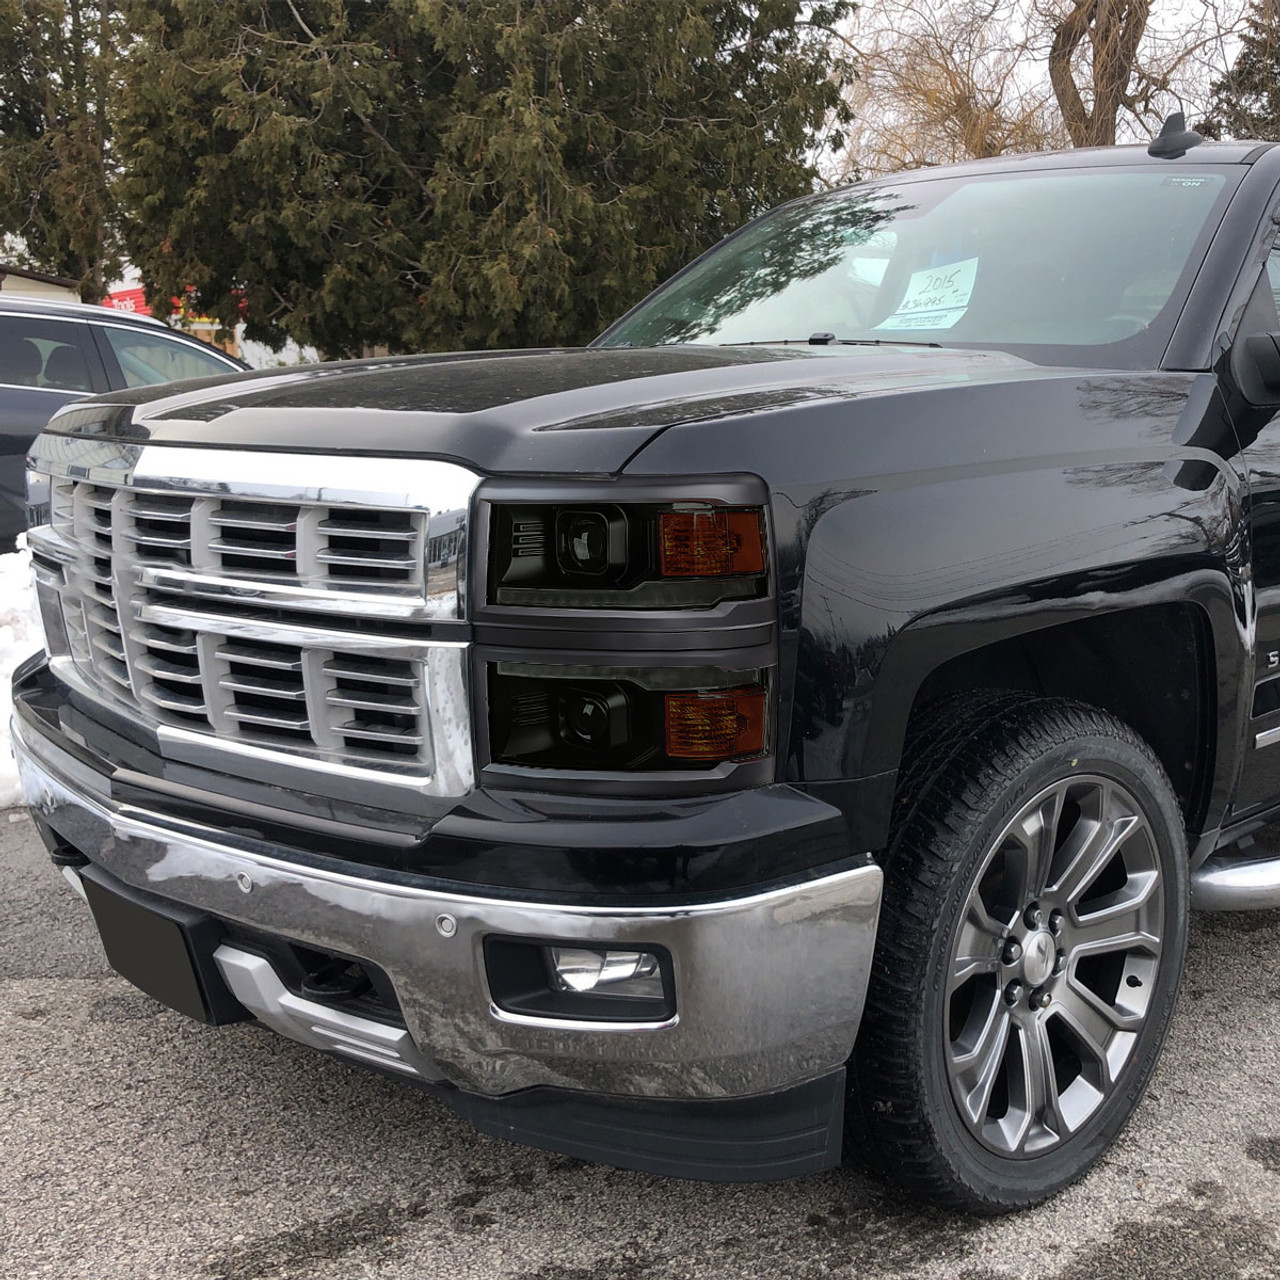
x: 1255, y: 369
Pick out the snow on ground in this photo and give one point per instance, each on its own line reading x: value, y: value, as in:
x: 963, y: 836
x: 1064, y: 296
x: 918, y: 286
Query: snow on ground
x: 20, y: 637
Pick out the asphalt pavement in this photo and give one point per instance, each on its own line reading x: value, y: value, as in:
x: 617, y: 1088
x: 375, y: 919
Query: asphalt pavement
x: 136, y: 1144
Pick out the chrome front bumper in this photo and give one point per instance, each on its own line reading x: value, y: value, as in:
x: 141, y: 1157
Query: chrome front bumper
x: 769, y: 986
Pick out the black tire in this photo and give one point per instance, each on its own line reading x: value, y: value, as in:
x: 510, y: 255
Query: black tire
x: 1070, y: 779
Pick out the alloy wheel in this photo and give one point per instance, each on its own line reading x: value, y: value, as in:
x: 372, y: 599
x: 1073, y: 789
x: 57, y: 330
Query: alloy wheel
x: 1053, y: 966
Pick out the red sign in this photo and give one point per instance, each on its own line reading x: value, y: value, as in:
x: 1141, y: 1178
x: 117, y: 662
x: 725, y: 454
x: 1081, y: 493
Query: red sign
x: 131, y: 300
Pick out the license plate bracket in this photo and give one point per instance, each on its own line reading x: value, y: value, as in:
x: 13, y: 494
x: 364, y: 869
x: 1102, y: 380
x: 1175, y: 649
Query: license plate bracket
x: 163, y: 948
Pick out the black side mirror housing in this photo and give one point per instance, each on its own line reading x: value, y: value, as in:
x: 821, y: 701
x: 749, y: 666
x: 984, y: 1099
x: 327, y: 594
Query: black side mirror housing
x: 1255, y: 369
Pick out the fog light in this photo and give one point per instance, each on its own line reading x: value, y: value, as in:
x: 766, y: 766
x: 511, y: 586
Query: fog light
x: 606, y: 973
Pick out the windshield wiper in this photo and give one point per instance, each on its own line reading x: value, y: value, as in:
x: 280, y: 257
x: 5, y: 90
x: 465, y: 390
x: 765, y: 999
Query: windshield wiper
x: 829, y: 340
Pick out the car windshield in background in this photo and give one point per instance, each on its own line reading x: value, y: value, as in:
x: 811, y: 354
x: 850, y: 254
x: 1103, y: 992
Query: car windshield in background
x: 1077, y: 267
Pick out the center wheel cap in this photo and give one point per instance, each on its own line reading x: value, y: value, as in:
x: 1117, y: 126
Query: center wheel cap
x: 1039, y: 956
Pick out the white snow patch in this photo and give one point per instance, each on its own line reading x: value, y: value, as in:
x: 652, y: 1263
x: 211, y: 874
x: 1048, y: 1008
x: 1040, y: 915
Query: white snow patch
x: 20, y: 636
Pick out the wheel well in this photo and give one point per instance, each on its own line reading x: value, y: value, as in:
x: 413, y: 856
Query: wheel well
x: 1147, y: 666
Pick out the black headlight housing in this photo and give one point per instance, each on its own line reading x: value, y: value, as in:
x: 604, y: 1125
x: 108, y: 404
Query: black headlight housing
x: 626, y: 719
x: 639, y: 555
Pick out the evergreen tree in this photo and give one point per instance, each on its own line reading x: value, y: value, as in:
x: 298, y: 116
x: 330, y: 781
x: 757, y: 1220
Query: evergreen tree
x: 55, y: 92
x: 442, y: 174
x: 1246, y: 101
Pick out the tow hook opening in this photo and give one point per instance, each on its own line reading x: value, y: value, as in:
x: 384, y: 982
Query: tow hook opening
x: 325, y: 977
x: 334, y: 981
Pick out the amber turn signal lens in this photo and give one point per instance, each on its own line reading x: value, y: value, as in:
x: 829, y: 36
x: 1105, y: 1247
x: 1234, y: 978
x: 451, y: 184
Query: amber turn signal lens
x: 715, y: 726
x: 710, y: 544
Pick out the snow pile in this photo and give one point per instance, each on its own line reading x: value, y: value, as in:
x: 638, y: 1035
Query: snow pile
x: 20, y: 637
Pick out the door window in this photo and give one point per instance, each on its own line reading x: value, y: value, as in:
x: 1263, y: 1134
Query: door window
x: 43, y: 353
x: 1262, y: 311
x: 148, y: 358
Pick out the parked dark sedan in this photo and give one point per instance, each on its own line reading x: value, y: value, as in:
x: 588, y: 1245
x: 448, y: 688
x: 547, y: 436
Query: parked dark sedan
x: 53, y: 352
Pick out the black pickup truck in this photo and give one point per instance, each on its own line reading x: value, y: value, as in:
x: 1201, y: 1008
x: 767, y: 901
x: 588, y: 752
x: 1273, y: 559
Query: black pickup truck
x: 800, y: 721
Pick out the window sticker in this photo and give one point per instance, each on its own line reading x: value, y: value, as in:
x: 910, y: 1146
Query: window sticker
x: 936, y: 298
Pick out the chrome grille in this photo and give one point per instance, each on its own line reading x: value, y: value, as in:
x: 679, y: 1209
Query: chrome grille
x: 215, y: 674
x: 167, y: 673
x: 158, y: 527
x: 375, y: 705
x: 338, y: 547
x: 267, y: 694
x: 344, y: 548
x: 84, y: 514
x: 371, y: 546
x: 255, y: 538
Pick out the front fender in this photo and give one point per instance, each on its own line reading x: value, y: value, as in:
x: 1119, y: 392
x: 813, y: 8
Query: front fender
x: 916, y: 527
x: 967, y: 563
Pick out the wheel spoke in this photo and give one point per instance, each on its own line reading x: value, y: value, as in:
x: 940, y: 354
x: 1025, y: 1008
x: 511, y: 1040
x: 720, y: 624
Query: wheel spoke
x: 1094, y: 1023
x: 975, y: 1070
x: 1093, y: 845
x: 1044, y: 1104
x: 977, y: 947
x: 1124, y: 921
x: 1035, y: 830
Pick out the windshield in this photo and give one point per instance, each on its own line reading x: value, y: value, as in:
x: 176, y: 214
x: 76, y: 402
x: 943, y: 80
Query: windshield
x: 1074, y: 266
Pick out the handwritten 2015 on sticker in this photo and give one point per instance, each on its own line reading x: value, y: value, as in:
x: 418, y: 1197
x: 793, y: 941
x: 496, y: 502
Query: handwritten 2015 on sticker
x: 935, y: 298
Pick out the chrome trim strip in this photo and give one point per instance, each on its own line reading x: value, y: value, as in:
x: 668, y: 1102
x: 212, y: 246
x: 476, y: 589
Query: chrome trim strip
x: 339, y: 600
x: 414, y: 484
x: 109, y: 320
x: 84, y: 313
x: 1267, y: 738
x: 577, y: 1024
x: 26, y: 386
x: 300, y: 634
x: 769, y: 986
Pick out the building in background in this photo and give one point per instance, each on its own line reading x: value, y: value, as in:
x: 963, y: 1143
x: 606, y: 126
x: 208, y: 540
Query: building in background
x: 36, y: 284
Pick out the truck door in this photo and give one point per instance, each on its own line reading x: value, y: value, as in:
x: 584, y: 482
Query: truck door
x: 1259, y: 432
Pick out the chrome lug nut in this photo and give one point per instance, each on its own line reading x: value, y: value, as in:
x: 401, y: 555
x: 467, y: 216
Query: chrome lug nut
x: 1012, y: 951
x: 1040, y: 999
x: 1013, y: 993
x: 1033, y: 917
x: 1061, y: 962
x: 1056, y: 921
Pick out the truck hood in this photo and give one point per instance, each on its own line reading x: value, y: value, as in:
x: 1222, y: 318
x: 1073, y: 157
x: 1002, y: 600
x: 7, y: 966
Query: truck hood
x: 584, y: 410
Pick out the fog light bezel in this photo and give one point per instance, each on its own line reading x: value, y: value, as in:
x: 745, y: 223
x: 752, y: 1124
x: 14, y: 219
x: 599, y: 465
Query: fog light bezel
x: 521, y: 983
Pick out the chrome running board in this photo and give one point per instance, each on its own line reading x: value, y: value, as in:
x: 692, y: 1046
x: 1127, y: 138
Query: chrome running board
x: 1235, y: 885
